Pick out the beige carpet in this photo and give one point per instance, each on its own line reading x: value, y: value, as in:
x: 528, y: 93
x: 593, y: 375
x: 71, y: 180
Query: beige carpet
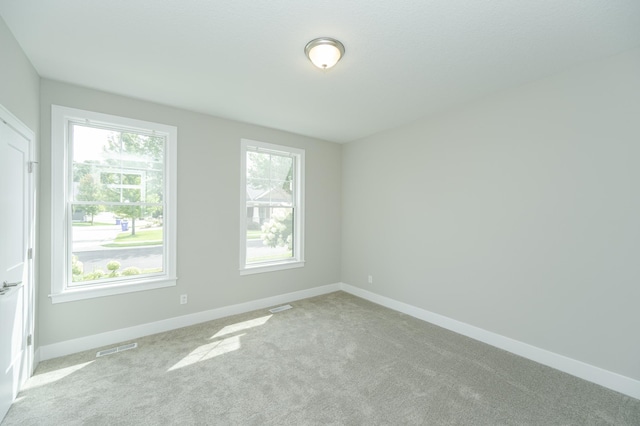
x: 334, y: 359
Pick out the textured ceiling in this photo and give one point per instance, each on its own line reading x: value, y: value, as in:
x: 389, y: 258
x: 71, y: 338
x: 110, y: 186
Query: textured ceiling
x: 244, y: 59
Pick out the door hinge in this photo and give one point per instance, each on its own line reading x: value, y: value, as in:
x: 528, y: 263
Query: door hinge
x: 29, y: 340
x: 31, y: 163
x: 30, y: 253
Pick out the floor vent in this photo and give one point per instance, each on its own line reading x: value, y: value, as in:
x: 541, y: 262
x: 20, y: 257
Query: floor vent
x: 118, y: 349
x: 280, y: 308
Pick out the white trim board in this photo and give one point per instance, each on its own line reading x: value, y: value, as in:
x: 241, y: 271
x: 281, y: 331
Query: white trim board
x: 602, y: 377
x: 36, y: 361
x: 80, y: 344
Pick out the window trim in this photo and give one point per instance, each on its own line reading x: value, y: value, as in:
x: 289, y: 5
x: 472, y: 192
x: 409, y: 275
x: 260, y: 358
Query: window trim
x: 60, y: 232
x: 297, y: 261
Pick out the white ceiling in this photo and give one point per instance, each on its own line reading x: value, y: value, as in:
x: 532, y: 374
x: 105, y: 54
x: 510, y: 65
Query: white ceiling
x: 244, y: 59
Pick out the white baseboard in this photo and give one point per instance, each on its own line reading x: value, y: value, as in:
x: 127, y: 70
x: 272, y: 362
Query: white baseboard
x: 608, y: 379
x: 116, y: 336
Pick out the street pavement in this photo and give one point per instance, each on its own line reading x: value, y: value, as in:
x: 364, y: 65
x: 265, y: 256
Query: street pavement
x: 88, y: 244
x: 146, y: 257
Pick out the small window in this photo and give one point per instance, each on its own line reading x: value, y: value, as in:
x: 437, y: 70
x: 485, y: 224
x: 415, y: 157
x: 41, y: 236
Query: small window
x: 113, y: 204
x: 272, y: 208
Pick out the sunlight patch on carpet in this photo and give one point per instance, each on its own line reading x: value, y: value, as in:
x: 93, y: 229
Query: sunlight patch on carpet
x: 53, y: 376
x: 244, y: 325
x: 210, y: 350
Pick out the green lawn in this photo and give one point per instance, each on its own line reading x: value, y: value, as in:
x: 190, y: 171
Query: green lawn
x: 141, y: 235
x: 253, y: 234
x: 94, y: 224
x: 147, y: 237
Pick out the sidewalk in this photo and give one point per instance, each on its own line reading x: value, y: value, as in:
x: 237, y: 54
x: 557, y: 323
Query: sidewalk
x: 89, y: 238
x: 92, y: 238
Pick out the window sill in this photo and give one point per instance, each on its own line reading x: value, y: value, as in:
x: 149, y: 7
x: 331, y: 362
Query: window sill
x: 80, y: 293
x: 258, y: 269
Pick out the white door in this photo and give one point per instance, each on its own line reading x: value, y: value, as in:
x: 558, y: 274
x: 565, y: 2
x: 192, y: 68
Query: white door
x: 16, y: 286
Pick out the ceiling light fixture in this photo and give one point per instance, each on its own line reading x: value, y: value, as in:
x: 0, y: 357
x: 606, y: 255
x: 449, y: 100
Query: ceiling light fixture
x: 324, y: 52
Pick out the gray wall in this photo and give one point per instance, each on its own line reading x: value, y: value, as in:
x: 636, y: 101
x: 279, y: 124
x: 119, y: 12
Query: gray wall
x: 519, y: 214
x: 20, y: 94
x: 19, y: 81
x: 208, y: 219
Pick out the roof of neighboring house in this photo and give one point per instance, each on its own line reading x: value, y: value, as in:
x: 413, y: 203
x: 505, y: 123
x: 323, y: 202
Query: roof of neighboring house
x: 277, y: 195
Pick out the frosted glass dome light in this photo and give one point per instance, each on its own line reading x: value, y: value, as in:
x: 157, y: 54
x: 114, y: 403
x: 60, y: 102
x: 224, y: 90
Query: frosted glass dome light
x: 324, y: 52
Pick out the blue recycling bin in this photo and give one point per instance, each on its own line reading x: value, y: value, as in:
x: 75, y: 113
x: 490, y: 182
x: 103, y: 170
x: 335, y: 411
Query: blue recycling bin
x: 125, y: 225
x: 117, y: 221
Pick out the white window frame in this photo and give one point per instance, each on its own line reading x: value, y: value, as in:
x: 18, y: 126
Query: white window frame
x: 61, y: 117
x: 297, y: 260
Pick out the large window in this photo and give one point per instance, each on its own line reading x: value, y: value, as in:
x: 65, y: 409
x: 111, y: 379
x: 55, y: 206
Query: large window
x: 272, y: 210
x: 113, y: 204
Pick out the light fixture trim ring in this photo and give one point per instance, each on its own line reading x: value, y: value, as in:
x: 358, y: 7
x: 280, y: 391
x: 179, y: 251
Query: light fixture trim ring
x: 324, y: 41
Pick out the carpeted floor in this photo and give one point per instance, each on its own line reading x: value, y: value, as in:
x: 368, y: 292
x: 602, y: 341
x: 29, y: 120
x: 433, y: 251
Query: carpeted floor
x: 333, y: 359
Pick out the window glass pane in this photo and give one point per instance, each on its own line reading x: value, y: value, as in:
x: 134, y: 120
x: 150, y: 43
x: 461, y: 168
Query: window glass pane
x: 92, y: 145
x: 258, y: 165
x: 257, y: 190
x: 124, y: 167
x: 281, y: 168
x: 142, y: 167
x: 108, y: 177
x: 115, y: 242
x: 280, y: 193
x: 269, y: 178
x: 132, y: 179
x: 269, y: 234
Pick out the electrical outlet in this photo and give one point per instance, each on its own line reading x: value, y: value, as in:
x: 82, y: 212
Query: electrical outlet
x: 183, y: 299
x: 370, y: 279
